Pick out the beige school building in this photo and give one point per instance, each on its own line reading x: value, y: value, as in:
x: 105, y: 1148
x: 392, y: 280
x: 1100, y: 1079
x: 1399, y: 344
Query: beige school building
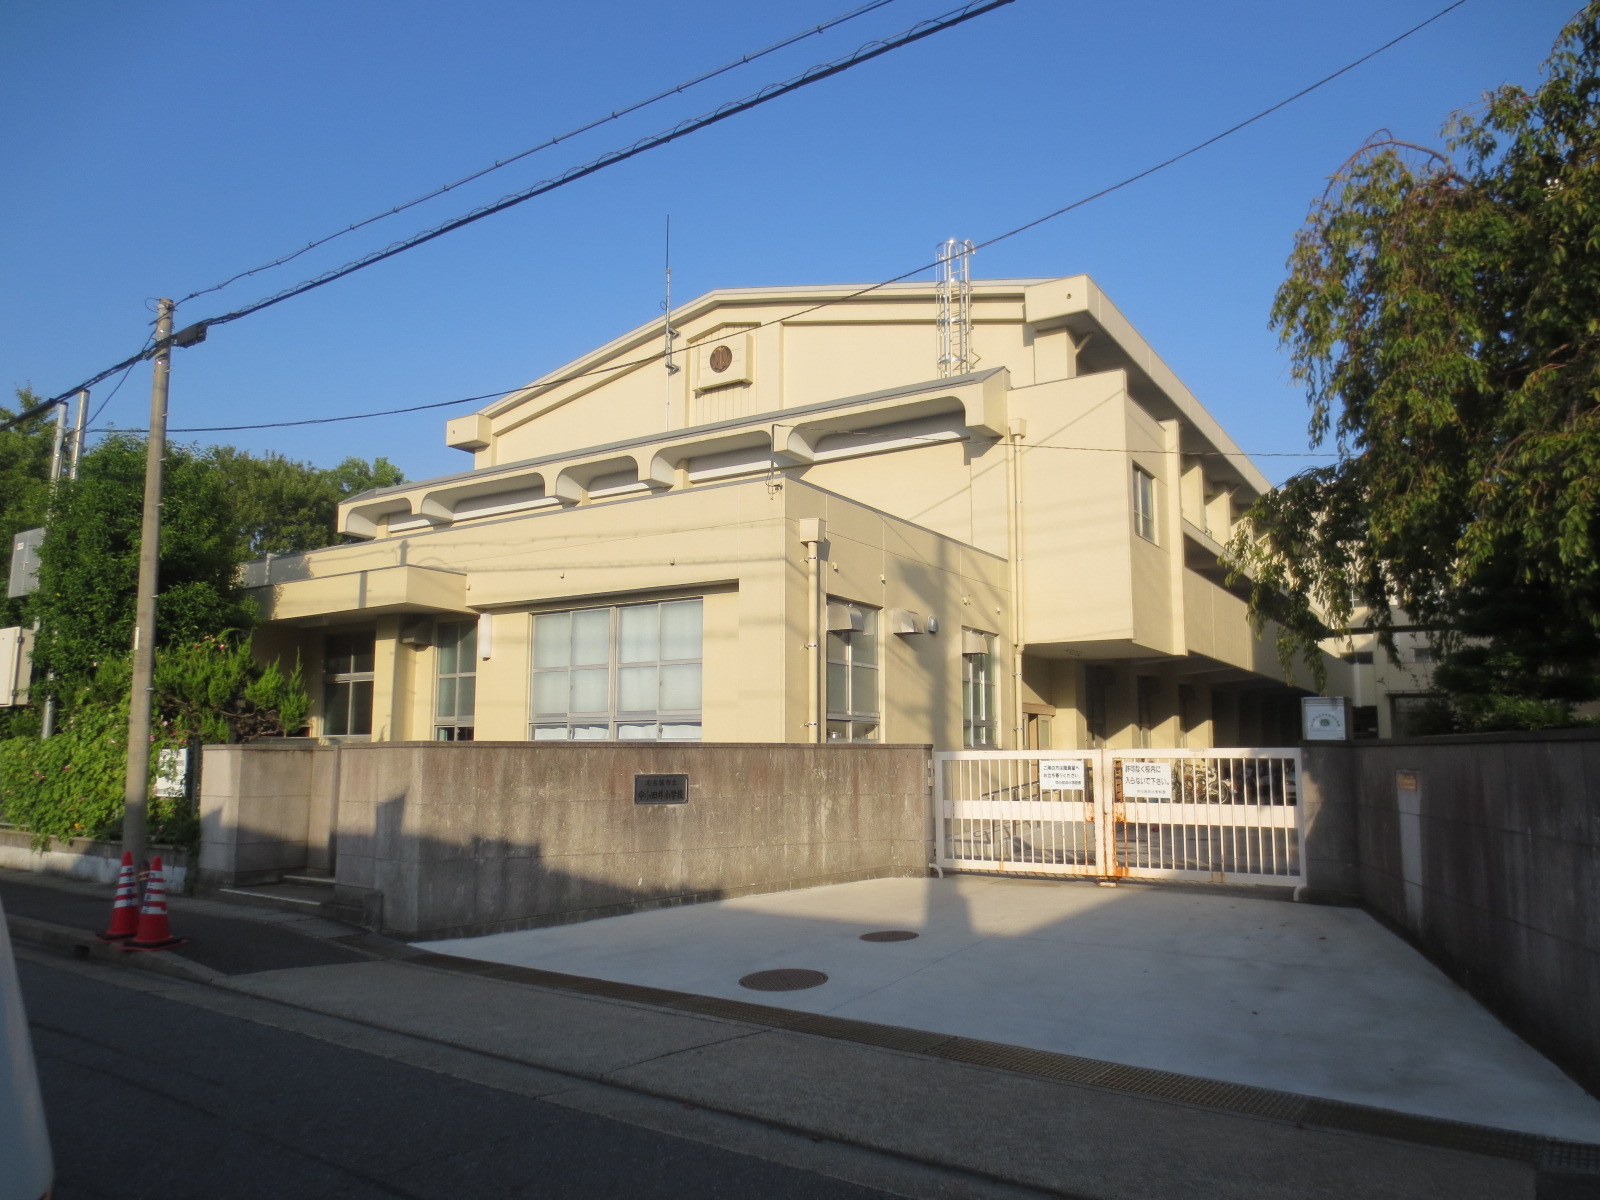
x: 821, y: 525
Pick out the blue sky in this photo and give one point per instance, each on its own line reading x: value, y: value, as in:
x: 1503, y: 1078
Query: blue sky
x: 156, y: 149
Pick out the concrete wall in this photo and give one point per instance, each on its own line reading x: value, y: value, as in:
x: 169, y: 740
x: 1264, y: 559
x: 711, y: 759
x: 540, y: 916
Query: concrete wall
x: 1491, y: 863
x: 448, y: 838
x: 81, y: 858
x: 256, y: 803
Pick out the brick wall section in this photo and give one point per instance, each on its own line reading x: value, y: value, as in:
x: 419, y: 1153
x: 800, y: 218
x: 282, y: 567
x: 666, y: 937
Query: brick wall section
x: 1508, y: 899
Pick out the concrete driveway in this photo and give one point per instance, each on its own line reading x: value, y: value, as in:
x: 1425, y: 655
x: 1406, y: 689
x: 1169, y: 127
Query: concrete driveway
x: 1320, y: 1001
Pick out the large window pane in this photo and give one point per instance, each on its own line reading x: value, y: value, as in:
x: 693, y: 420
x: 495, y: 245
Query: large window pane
x: 638, y: 628
x: 591, y: 637
x: 336, y: 709
x: 589, y: 691
x: 361, y: 706
x: 682, y: 630
x: 550, y: 692
x: 636, y: 689
x: 447, y: 698
x: 552, y: 638
x: 838, y: 687
x: 680, y: 687
x: 864, y: 689
x: 466, y: 697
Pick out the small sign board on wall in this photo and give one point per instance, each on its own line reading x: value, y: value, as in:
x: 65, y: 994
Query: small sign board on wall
x: 1146, y: 780
x: 1061, y: 775
x: 172, y: 773
x: 661, y: 789
x: 1325, y: 718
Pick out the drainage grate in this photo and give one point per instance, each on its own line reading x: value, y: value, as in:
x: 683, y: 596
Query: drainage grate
x: 784, y: 979
x: 888, y: 935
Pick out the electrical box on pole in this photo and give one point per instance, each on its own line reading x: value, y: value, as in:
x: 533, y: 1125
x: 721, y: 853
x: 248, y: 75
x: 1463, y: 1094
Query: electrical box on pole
x: 24, y: 578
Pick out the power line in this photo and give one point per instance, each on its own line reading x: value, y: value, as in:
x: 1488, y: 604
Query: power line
x: 833, y: 68
x: 817, y: 74
x: 554, y: 141
x: 864, y: 53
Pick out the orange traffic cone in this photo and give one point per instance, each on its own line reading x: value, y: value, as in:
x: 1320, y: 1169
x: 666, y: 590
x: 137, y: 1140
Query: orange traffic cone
x: 153, y: 932
x: 125, y: 909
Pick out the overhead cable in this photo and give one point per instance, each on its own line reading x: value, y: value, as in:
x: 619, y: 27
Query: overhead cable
x: 863, y: 54
x: 968, y: 13
x: 554, y: 141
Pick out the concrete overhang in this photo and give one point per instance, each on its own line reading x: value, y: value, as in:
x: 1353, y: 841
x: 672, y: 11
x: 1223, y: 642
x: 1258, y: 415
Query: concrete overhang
x: 1107, y: 340
x: 356, y: 594
x: 649, y: 463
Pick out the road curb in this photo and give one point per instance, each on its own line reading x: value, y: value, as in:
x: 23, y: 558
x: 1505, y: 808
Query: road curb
x: 75, y: 943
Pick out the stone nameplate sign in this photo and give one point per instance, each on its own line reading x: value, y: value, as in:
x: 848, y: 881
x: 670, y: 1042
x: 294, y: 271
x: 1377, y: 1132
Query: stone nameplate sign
x: 661, y: 789
x: 1061, y: 775
x: 1147, y: 780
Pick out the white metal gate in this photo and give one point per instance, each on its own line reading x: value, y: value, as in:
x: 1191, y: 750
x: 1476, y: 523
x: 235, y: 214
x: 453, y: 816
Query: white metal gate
x: 1228, y: 815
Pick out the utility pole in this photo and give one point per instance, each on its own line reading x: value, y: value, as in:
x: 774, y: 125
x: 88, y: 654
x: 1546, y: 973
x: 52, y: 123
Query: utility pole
x: 136, y: 793
x: 47, y: 721
x: 77, y: 434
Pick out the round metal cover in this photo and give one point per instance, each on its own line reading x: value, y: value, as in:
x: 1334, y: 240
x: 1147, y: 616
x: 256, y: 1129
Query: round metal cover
x: 888, y: 935
x: 784, y: 979
x: 721, y: 359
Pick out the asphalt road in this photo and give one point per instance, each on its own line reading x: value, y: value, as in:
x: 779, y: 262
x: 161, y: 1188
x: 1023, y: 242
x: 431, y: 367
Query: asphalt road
x: 147, y: 1096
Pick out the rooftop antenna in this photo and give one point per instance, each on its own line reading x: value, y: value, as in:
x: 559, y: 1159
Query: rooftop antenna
x: 670, y: 333
x: 956, y: 355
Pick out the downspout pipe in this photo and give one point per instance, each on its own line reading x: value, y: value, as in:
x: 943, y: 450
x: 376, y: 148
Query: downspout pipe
x: 813, y: 533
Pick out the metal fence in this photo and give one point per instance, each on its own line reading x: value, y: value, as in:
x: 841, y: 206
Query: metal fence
x: 1229, y: 815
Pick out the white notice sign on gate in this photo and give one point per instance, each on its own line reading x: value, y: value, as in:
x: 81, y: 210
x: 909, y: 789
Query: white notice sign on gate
x: 1061, y: 775
x: 1146, y: 780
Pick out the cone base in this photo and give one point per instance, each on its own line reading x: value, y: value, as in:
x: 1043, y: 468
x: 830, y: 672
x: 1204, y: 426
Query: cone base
x: 161, y: 945
x: 113, y: 937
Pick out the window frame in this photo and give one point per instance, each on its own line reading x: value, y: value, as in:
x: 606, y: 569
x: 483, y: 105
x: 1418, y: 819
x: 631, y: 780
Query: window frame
x: 980, y: 681
x: 347, y: 684
x: 453, y: 728
x: 582, y: 724
x: 854, y: 721
x: 1145, y: 523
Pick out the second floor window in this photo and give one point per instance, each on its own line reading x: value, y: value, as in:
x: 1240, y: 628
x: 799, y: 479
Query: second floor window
x: 853, y: 714
x: 1144, y: 504
x: 455, y: 694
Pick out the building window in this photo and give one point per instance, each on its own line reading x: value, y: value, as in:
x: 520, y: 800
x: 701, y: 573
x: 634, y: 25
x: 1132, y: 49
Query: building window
x: 979, y: 693
x: 347, y: 685
x: 630, y: 672
x: 455, y: 693
x: 852, y: 672
x: 1144, y: 504
x: 1097, y: 704
x: 1146, y: 696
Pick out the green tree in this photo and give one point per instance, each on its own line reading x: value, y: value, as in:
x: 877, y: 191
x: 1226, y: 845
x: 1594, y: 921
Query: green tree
x: 24, y: 484
x: 285, y: 507
x: 88, y: 565
x: 1443, y: 310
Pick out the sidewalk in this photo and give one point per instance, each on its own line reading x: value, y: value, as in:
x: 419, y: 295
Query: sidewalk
x: 1040, y: 1120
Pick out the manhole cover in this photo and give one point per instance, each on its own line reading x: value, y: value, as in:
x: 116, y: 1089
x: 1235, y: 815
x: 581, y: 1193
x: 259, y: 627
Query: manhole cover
x: 888, y: 935
x: 784, y: 979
